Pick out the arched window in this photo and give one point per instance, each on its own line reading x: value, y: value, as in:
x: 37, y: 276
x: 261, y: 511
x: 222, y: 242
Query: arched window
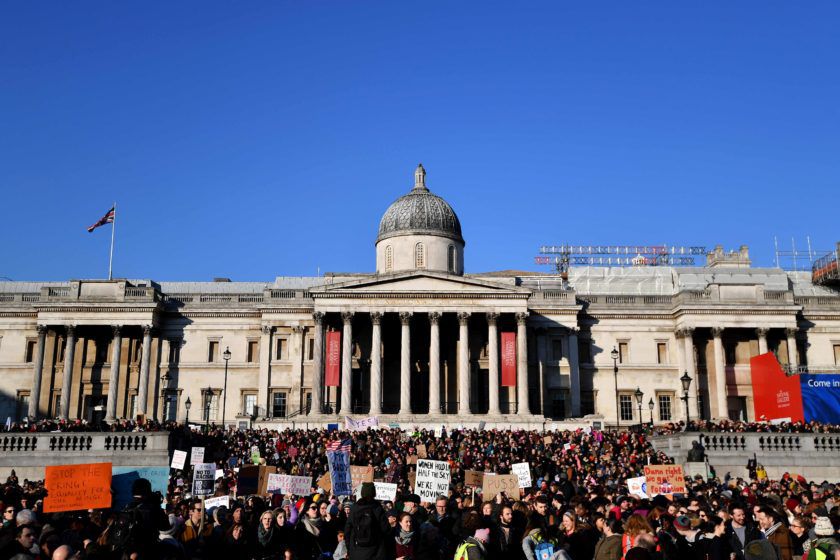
x: 419, y: 256
x: 389, y: 258
x: 451, y: 259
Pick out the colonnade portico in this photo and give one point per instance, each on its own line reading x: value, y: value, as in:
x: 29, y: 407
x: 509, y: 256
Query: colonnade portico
x: 464, y: 387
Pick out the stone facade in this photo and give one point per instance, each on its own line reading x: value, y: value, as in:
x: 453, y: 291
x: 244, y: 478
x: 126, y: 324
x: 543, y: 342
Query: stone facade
x: 420, y: 344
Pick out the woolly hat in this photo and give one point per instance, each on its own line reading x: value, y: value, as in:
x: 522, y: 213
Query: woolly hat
x: 823, y: 527
x: 682, y: 522
x: 368, y: 490
x: 761, y: 549
x: 791, y: 504
x: 482, y: 535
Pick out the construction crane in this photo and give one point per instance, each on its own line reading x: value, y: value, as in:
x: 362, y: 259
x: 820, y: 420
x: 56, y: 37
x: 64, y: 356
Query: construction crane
x: 564, y: 256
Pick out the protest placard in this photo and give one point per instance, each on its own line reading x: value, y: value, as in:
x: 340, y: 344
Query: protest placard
x: 288, y: 484
x: 411, y: 460
x: 384, y: 491
x: 253, y: 479
x: 492, y: 485
x: 122, y: 479
x: 197, y: 456
x: 179, y: 458
x: 548, y: 440
x: 339, y: 464
x: 220, y: 473
x: 474, y: 478
x: 203, y: 483
x: 360, y: 425
x: 274, y: 485
x: 324, y: 482
x: 74, y: 487
x: 217, y: 502
x: 523, y: 472
x: 421, y: 451
x: 359, y: 474
x: 664, y: 479
x: 637, y: 487
x: 432, y: 479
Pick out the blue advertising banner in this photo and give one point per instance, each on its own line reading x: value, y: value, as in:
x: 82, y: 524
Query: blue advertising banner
x: 123, y: 477
x: 821, y: 397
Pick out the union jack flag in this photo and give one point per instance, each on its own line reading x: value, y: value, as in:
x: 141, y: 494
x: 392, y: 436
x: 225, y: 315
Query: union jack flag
x: 343, y: 445
x: 108, y: 218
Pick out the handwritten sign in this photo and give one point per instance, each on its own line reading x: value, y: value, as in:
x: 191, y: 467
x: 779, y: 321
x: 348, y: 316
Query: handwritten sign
x: 360, y: 425
x: 474, y: 478
x: 288, y: 484
x: 325, y: 482
x: 637, y: 487
x: 359, y: 474
x: 217, y: 502
x: 197, y: 456
x: 432, y: 479
x: 523, y: 472
x: 384, y: 491
x: 665, y: 479
x: 339, y: 463
x: 421, y: 451
x: 548, y: 440
x: 507, y: 483
x: 122, y: 480
x: 75, y: 487
x: 179, y: 458
x: 203, y: 483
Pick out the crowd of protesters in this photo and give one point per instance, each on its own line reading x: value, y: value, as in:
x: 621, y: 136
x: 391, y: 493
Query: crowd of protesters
x: 577, y: 509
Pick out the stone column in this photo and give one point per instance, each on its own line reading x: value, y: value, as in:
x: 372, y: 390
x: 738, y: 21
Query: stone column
x: 574, y: 371
x: 264, y: 375
x: 67, y: 382
x: 318, y: 365
x: 37, y: 372
x: 296, y: 354
x: 463, y: 364
x: 793, y: 354
x: 143, y: 389
x: 522, y: 406
x: 405, y: 363
x: 493, y: 364
x: 688, y: 349
x: 376, y: 365
x: 114, y: 380
x: 434, y: 363
x: 761, y: 332
x: 347, y: 363
x: 720, y: 376
x: 542, y: 368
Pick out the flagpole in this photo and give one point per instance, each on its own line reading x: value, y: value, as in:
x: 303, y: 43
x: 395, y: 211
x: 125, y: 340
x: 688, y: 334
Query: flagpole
x: 111, y: 256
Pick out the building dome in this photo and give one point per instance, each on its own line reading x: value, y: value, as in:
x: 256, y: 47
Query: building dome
x: 420, y: 213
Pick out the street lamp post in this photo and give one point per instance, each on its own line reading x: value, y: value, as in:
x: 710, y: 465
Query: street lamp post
x: 650, y: 406
x: 226, y: 356
x: 686, y: 383
x: 187, y: 405
x: 639, y: 395
x: 614, y: 356
x: 208, y: 399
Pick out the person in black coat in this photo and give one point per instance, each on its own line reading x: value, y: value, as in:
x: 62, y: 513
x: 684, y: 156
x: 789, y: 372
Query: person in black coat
x: 367, y: 530
x: 739, y: 531
x: 266, y: 545
x: 505, y: 537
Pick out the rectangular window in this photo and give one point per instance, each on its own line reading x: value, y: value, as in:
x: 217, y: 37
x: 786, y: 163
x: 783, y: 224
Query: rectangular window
x: 170, y: 407
x: 556, y: 349
x: 30, y: 351
x: 174, y: 350
x: 587, y: 402
x: 837, y: 354
x: 213, y: 351
x: 57, y: 405
x: 278, y: 405
x: 210, y: 406
x: 250, y: 404
x: 253, y: 351
x: 311, y: 352
x: 22, y: 405
x: 623, y: 353
x: 625, y: 403
x: 308, y: 402
x: 101, y: 351
x: 665, y: 408
x: 661, y: 353
x: 132, y: 403
x: 585, y: 351
x: 280, y: 353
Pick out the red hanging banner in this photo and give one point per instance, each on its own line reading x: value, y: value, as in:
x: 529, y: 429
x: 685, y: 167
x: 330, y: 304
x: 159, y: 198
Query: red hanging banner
x: 775, y: 395
x: 508, y: 359
x: 333, y: 358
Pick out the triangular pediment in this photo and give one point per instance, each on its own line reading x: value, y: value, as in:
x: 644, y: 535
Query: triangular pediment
x: 432, y: 282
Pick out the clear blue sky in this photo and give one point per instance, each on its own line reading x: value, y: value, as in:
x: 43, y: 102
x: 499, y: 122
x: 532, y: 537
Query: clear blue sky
x: 257, y: 139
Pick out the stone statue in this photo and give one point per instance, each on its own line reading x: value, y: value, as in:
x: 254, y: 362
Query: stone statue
x: 697, y: 453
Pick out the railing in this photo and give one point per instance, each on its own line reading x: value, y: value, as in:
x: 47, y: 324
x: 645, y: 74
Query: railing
x: 59, y: 291
x: 135, y: 291
x: 556, y: 294
x: 817, y: 300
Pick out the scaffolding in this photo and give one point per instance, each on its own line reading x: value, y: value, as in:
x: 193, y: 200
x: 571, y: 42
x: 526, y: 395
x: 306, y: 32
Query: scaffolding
x: 825, y: 270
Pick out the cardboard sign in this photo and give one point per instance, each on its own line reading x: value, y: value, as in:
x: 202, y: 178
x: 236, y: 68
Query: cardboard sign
x: 432, y: 479
x: 637, y: 487
x: 359, y: 474
x: 253, y: 479
x: 474, y: 478
x: 197, y: 456
x: 217, y: 502
x: 339, y: 463
x: 412, y: 478
x: 523, y: 472
x: 325, y: 482
x: 203, y: 483
x: 548, y: 440
x: 411, y: 460
x: 665, y: 479
x: 507, y: 483
x: 122, y: 479
x: 75, y: 487
x: 421, y: 451
x: 179, y: 459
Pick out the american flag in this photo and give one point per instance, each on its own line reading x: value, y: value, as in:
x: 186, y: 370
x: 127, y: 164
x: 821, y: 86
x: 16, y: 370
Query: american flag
x: 108, y: 218
x: 343, y: 445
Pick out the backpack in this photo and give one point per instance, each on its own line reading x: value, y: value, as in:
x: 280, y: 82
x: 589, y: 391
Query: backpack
x: 461, y: 553
x: 364, y: 528
x: 544, y: 551
x: 126, y: 529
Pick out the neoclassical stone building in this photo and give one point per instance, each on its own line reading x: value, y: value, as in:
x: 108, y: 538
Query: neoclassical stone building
x: 420, y: 339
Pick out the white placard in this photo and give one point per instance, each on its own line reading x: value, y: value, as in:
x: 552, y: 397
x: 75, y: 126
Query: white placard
x: 217, y: 502
x: 197, y: 456
x: 360, y: 425
x: 384, y: 491
x: 432, y: 479
x: 178, y: 459
x: 203, y: 484
x: 523, y: 472
x: 288, y: 484
x: 220, y: 473
x: 637, y: 487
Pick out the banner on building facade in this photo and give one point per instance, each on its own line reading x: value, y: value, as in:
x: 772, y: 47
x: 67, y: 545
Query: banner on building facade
x: 820, y: 397
x: 333, y: 367
x: 776, y: 396
x: 508, y: 359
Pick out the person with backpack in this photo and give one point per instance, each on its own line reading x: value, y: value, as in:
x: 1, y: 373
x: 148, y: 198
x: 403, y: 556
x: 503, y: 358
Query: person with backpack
x: 474, y: 547
x: 367, y: 528
x: 137, y: 527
